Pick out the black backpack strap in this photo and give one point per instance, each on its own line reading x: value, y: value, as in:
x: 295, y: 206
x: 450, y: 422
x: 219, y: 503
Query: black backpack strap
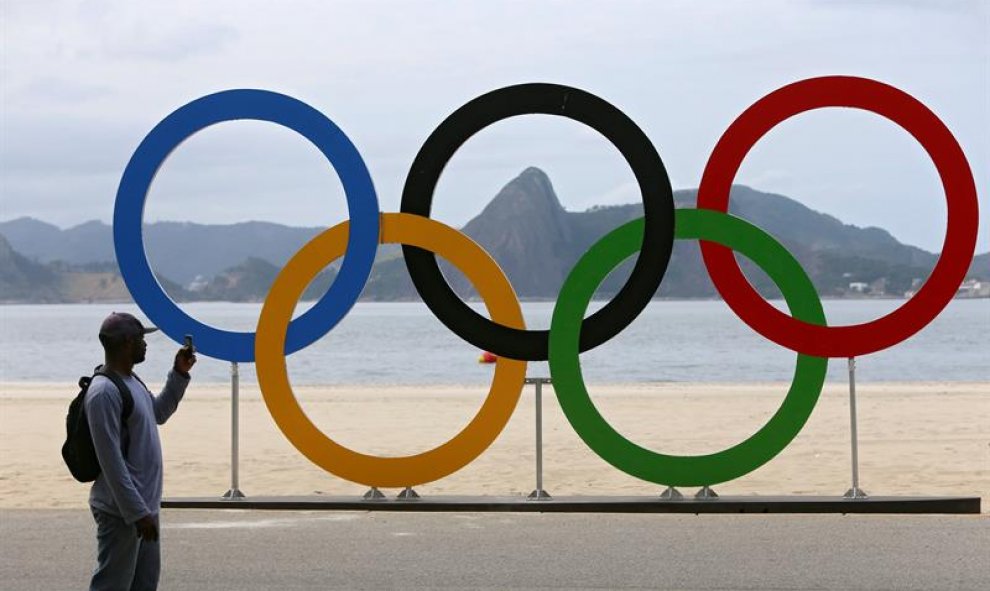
x: 126, y: 399
x: 127, y: 404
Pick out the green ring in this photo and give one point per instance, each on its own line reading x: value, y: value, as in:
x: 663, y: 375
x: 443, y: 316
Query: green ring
x: 598, y: 434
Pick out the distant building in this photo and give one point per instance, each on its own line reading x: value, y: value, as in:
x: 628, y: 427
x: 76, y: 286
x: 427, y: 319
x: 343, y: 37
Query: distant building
x: 915, y: 286
x: 974, y: 288
x: 198, y: 284
x: 858, y: 287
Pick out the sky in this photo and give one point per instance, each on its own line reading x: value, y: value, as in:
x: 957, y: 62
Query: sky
x: 84, y: 81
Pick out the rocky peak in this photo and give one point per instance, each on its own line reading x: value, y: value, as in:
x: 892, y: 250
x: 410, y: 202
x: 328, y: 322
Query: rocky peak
x: 528, y: 228
x: 529, y: 194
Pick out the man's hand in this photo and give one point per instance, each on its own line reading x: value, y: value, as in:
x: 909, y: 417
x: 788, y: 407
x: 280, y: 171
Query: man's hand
x: 146, y: 529
x: 184, y: 360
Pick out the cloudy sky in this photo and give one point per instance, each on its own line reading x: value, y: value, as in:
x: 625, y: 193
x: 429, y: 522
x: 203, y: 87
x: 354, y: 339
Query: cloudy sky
x: 84, y: 81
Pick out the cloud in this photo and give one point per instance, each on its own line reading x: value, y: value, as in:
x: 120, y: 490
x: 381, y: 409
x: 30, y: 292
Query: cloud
x: 57, y: 89
x: 962, y: 6
x: 767, y: 178
x: 84, y: 81
x: 169, y: 43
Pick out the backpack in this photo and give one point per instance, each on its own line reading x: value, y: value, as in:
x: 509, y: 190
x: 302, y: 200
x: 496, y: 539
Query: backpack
x: 78, y: 451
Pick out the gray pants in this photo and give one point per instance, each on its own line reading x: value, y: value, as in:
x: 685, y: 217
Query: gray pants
x: 125, y: 562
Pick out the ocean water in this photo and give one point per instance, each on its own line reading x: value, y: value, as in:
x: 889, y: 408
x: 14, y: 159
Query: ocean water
x: 403, y: 343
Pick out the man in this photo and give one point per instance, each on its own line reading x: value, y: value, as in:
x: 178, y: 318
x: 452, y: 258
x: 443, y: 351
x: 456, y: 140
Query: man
x: 126, y: 497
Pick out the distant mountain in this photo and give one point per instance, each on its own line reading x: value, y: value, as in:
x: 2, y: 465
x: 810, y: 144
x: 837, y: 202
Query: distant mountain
x: 23, y: 279
x: 980, y: 267
x: 526, y: 218
x: 180, y: 251
x: 241, y: 283
x: 250, y: 282
x: 525, y: 228
x: 536, y: 242
x: 90, y: 242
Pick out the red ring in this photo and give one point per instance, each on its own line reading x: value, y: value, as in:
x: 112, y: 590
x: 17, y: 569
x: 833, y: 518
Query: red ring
x: 960, y: 196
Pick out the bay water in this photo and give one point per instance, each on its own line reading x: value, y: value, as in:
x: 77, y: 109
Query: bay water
x: 405, y: 344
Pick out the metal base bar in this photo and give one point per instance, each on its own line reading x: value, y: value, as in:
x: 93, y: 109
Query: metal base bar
x: 597, y: 504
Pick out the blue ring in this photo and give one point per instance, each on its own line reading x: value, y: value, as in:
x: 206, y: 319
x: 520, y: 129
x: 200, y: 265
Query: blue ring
x: 229, y: 105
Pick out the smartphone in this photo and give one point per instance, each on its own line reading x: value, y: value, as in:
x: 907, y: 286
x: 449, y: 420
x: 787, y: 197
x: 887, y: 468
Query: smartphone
x: 187, y: 343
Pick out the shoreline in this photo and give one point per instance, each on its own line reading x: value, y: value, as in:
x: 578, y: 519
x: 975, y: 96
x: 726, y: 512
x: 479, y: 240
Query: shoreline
x: 63, y: 390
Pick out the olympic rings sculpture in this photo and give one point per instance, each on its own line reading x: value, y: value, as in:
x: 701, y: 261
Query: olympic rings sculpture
x: 651, y: 237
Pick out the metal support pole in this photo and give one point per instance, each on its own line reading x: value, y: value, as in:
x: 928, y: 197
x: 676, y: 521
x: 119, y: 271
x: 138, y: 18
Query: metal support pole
x: 855, y: 492
x: 539, y: 494
x: 235, y: 491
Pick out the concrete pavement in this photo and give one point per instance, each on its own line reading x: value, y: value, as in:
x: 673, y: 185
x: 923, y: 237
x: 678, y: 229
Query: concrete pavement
x: 255, y: 550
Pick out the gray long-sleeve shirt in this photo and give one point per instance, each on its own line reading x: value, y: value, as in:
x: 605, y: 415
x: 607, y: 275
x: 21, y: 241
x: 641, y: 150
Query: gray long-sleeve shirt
x: 130, y: 487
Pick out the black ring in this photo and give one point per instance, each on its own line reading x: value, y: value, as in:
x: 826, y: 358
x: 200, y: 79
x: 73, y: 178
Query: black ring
x: 635, y: 147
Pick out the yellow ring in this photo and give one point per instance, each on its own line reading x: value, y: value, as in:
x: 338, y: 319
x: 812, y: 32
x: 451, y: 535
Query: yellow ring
x: 463, y: 448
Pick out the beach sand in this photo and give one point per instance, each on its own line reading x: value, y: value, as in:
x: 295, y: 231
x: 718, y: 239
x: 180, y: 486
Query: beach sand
x: 914, y: 439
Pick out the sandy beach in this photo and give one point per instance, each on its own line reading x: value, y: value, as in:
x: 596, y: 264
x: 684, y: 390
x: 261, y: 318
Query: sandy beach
x: 915, y: 439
